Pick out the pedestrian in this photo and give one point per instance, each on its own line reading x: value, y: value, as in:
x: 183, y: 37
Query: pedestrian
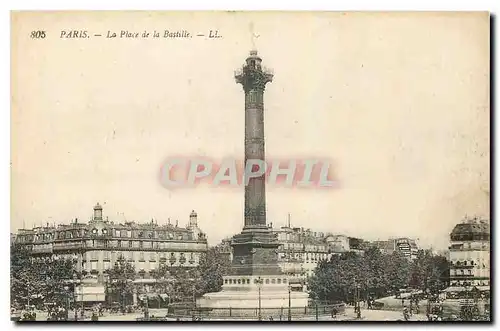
x: 357, y: 310
x: 334, y: 312
x: 405, y: 314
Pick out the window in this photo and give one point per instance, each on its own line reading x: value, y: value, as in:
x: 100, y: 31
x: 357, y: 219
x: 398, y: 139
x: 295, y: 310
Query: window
x: 239, y: 281
x: 141, y: 256
x: 130, y: 244
x: 279, y: 280
x: 273, y: 281
x: 267, y: 280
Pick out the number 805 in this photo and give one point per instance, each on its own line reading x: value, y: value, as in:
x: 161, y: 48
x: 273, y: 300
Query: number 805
x: 37, y: 34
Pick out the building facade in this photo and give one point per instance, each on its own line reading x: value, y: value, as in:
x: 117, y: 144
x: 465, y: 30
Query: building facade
x: 407, y: 246
x: 95, y: 246
x: 469, y: 253
x: 300, y: 250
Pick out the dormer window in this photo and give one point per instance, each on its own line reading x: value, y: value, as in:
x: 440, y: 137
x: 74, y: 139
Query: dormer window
x: 94, y: 231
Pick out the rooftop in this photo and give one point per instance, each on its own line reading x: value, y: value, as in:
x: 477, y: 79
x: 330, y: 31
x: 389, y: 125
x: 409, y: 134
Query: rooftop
x: 470, y: 229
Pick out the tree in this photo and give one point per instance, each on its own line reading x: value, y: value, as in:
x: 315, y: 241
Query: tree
x: 213, y: 265
x: 56, y: 276
x: 24, y: 281
x: 397, y: 272
x: 372, y: 274
x: 121, y: 277
x: 429, y: 271
x: 37, y: 281
x: 336, y: 279
x: 162, y: 276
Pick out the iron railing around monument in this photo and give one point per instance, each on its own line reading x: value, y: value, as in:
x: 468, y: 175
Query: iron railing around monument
x: 280, y: 313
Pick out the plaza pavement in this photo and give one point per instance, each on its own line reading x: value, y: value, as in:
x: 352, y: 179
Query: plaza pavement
x: 366, y: 315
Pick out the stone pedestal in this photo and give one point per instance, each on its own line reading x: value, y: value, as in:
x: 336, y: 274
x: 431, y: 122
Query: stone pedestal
x: 243, y: 292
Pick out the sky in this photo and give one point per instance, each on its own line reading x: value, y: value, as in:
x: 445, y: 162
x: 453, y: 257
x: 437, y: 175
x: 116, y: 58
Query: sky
x: 399, y: 103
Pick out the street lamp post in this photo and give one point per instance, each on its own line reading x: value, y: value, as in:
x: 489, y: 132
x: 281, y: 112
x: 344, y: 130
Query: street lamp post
x: 357, y: 307
x: 194, y: 296
x: 146, y: 302
x: 74, y: 296
x: 28, y: 292
x: 259, y: 282
x: 428, y: 303
x: 194, y: 299
x: 66, y: 289
x: 289, y: 302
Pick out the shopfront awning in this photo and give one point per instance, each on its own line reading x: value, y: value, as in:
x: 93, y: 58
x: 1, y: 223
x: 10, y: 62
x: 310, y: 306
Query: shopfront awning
x: 149, y: 296
x: 453, y: 289
x: 144, y: 281
x: 468, y: 288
